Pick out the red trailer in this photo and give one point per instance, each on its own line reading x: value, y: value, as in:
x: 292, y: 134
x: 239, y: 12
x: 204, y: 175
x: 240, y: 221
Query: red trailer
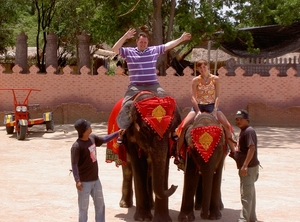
x: 19, y: 120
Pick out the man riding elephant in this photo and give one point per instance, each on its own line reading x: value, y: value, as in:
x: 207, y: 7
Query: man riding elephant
x: 141, y: 62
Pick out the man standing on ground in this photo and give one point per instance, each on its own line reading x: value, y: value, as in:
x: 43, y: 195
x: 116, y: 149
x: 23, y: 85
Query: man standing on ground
x: 248, y: 164
x: 85, y: 170
x: 141, y: 62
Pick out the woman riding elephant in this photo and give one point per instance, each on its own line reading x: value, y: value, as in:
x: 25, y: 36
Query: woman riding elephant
x: 205, y: 156
x: 205, y: 90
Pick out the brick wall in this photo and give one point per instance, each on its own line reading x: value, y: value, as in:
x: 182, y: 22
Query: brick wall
x: 101, y: 91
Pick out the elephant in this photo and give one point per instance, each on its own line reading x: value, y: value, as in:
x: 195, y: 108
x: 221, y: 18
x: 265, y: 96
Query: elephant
x: 204, y: 161
x: 148, y: 142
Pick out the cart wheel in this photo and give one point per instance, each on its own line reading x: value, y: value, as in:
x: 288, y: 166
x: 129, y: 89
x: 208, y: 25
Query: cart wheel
x: 22, y: 134
x: 50, y: 125
x: 10, y: 129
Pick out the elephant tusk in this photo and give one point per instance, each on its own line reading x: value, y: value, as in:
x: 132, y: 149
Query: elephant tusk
x: 137, y: 126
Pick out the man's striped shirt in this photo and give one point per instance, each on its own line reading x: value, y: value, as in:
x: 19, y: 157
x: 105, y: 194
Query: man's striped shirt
x: 142, y: 65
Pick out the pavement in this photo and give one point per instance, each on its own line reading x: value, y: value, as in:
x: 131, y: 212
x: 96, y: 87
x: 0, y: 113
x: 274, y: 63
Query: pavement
x: 36, y: 184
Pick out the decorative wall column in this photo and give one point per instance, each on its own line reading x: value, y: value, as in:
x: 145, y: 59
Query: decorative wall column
x: 22, y: 52
x: 51, y: 51
x: 83, y: 51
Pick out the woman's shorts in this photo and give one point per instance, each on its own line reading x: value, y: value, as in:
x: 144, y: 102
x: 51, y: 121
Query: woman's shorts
x: 208, y: 108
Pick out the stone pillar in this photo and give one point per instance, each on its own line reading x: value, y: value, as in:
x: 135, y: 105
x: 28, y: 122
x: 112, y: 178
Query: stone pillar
x: 51, y: 51
x: 22, y: 52
x: 83, y: 51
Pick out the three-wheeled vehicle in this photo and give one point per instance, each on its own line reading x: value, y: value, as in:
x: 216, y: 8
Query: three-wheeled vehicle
x: 19, y: 120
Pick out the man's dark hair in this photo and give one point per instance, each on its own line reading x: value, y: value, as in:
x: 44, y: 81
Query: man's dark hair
x: 142, y: 34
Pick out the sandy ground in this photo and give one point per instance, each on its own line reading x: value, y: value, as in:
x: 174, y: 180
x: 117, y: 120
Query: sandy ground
x: 36, y: 185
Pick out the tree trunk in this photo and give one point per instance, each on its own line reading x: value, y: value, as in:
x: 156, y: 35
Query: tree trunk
x: 171, y: 19
x: 157, y: 36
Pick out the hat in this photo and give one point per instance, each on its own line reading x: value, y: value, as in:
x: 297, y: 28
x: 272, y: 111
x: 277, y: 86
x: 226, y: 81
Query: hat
x: 242, y: 114
x: 81, y: 126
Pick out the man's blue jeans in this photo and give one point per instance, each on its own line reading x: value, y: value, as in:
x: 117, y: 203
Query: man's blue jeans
x: 93, y: 188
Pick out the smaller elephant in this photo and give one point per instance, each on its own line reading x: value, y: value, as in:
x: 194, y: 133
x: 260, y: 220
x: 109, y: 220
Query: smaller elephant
x: 204, y: 161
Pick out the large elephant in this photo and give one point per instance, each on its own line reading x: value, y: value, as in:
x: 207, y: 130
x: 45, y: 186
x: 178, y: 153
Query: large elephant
x: 148, y: 146
x: 203, y: 160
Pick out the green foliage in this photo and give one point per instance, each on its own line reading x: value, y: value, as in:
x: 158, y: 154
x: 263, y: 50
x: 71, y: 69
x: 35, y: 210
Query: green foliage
x: 8, y: 22
x: 105, y: 21
x: 113, y: 18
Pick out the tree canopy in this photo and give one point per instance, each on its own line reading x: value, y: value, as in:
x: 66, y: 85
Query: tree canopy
x: 8, y: 23
x: 107, y: 20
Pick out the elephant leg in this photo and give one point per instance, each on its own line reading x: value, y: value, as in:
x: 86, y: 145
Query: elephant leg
x: 211, y: 187
x: 161, y: 210
x: 127, y: 191
x: 207, y: 171
x: 191, y: 179
x: 216, y: 200
x: 198, y: 196
x: 140, y: 177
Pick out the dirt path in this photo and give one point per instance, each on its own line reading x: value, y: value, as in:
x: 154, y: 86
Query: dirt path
x: 36, y: 185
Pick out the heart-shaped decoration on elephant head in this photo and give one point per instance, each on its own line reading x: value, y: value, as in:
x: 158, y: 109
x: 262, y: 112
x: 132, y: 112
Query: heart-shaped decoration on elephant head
x: 205, y: 139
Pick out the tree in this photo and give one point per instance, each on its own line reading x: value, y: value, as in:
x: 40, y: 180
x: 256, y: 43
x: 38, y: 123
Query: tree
x: 8, y: 22
x: 45, y: 12
x: 106, y: 20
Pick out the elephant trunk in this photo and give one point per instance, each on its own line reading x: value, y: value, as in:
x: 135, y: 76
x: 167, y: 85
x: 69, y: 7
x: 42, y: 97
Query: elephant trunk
x: 170, y: 191
x: 160, y: 190
x: 160, y: 173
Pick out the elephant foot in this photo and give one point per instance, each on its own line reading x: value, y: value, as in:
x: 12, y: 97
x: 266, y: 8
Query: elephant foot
x: 166, y: 218
x: 138, y: 216
x: 215, y: 215
x: 198, y: 206
x: 125, y: 204
x: 186, y: 217
x: 204, y: 215
x: 221, y: 205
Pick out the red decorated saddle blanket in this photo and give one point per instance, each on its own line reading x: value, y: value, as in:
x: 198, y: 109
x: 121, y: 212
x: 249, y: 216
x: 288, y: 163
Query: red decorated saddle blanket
x: 205, y: 139
x: 157, y: 112
x: 115, y: 153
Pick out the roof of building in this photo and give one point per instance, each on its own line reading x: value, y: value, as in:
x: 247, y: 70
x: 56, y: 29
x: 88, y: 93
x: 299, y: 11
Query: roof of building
x: 273, y: 41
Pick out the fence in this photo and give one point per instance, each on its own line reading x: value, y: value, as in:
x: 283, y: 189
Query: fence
x: 243, y: 81
x: 103, y: 91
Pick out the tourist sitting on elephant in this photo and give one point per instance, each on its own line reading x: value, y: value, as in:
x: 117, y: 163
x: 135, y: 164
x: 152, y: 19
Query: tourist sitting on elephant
x: 141, y: 62
x: 205, y: 98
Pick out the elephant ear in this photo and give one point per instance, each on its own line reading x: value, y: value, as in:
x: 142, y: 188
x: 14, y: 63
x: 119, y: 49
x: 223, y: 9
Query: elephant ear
x: 205, y: 139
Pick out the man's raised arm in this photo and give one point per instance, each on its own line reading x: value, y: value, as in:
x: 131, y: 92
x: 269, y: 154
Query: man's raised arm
x: 129, y: 34
x: 184, y: 37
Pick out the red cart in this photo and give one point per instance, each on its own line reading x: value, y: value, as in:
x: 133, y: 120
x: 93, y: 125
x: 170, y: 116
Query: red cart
x: 19, y: 120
